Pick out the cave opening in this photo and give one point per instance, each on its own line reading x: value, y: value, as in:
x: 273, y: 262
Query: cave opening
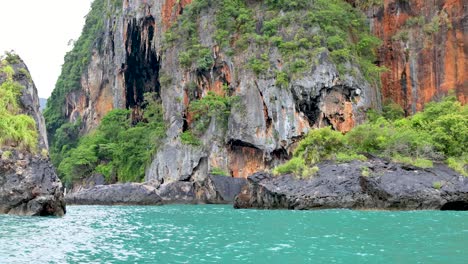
x: 455, y: 206
x: 141, y: 70
x: 312, y: 106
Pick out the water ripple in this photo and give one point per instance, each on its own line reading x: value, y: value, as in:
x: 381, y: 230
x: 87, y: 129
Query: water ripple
x: 219, y: 234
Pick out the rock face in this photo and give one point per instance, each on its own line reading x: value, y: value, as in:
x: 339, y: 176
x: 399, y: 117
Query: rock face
x: 28, y: 182
x: 425, y: 49
x: 375, y: 184
x: 262, y: 128
x: 213, y: 190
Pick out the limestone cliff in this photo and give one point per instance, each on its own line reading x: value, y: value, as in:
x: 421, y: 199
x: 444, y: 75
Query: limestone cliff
x: 282, y: 84
x: 424, y: 48
x: 28, y: 182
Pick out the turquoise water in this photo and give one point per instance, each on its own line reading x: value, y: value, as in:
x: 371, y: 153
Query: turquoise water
x: 220, y: 234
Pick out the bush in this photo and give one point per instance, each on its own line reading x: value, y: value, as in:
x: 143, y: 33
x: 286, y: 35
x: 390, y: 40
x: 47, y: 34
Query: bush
x: 365, y: 172
x: 296, y: 166
x: 117, y: 147
x: 459, y: 164
x: 319, y: 144
x: 16, y: 129
x: 437, y: 185
x: 219, y: 172
x: 347, y: 157
x: 208, y: 107
x: 437, y: 133
x: 189, y: 139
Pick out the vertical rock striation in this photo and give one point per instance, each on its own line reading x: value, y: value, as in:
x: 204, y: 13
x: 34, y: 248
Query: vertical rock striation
x: 425, y: 50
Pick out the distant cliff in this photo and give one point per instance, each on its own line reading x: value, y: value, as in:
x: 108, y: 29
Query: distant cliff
x: 42, y: 104
x: 240, y: 82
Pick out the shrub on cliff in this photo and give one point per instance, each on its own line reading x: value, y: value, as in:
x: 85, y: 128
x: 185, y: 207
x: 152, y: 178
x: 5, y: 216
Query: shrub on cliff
x: 16, y: 129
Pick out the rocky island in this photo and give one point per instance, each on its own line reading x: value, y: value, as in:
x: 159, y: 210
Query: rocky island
x: 324, y: 102
x: 29, y: 184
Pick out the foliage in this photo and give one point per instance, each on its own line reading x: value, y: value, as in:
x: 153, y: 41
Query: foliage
x: 209, y: 107
x: 117, y: 147
x: 219, y: 172
x: 319, y: 144
x: 301, y: 30
x: 15, y: 128
x: 437, y: 185
x: 189, y: 139
x: 459, y: 164
x: 75, y: 62
x: 438, y: 133
x: 349, y: 156
x: 365, y: 172
x: 6, y: 155
x: 296, y: 166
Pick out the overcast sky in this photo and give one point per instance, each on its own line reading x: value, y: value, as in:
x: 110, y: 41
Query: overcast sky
x: 39, y: 31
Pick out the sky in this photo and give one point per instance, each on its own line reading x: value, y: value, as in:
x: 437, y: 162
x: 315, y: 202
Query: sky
x: 39, y: 31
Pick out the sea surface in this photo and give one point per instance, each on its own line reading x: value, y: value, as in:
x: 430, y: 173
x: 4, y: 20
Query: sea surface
x: 220, y: 234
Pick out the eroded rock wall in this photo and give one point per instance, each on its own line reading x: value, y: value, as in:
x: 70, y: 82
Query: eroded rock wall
x: 265, y: 122
x: 425, y: 48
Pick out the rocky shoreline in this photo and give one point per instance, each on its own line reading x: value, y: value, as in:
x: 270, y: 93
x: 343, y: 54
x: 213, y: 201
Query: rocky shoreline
x: 213, y: 190
x: 375, y: 184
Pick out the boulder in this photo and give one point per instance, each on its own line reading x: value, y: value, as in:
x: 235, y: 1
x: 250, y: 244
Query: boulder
x: 213, y: 190
x: 29, y: 185
x: 116, y: 194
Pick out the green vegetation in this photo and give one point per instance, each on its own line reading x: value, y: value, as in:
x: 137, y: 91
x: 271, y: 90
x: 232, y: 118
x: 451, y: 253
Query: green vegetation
x: 188, y: 138
x: 365, y: 172
x: 438, y: 133
x: 301, y: 30
x: 437, y: 185
x: 117, y: 149
x: 219, y: 172
x: 75, y: 63
x: 204, y: 110
x: 364, y: 4
x: 7, y: 155
x: 16, y: 129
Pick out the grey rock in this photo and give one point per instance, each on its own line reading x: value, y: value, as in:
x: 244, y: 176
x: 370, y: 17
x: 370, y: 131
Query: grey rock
x: 116, y: 194
x: 175, y: 162
x: 389, y: 186
x: 30, y: 186
x: 178, y: 192
x: 213, y: 190
x: 227, y: 188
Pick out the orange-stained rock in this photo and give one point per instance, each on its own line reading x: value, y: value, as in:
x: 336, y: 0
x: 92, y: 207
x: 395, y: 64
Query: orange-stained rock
x: 337, y: 111
x: 425, y: 48
x: 171, y: 9
x: 244, y: 161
